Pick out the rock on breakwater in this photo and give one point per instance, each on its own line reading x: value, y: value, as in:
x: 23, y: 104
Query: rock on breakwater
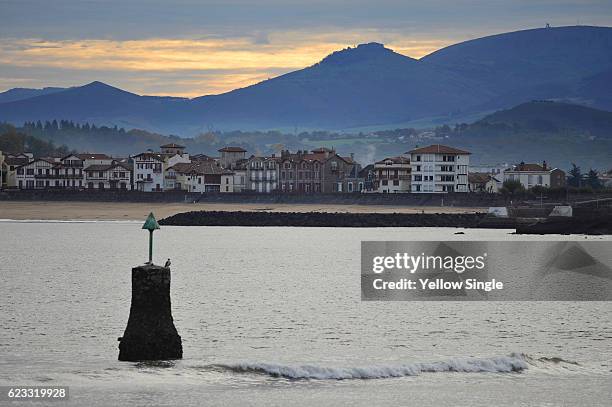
x: 323, y: 219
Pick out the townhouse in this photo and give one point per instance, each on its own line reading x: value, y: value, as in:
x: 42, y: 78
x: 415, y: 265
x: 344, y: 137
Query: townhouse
x: 262, y: 174
x: 37, y: 174
x: 392, y: 175
x: 10, y: 164
x: 116, y: 175
x: 201, y: 176
x: 149, y: 168
x: 321, y: 170
x: 532, y: 174
x: 439, y: 169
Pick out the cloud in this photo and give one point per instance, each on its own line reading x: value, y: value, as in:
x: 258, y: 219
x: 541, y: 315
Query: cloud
x: 195, y: 47
x: 209, y: 65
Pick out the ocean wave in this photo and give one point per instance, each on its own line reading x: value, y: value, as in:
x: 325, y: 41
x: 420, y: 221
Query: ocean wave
x: 502, y: 364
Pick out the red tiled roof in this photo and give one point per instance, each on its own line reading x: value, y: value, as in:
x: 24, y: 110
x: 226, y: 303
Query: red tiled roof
x: 199, y: 167
x: 438, y: 149
x: 528, y: 167
x: 149, y: 154
x: 478, y: 178
x: 16, y: 160
x: 395, y: 160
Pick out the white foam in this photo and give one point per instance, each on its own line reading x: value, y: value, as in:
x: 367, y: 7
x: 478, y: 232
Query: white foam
x: 502, y: 364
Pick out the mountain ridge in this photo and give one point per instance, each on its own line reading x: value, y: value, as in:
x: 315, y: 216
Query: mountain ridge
x: 364, y: 85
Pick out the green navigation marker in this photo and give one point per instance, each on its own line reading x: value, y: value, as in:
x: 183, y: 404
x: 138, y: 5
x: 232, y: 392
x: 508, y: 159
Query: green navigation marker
x: 151, y: 224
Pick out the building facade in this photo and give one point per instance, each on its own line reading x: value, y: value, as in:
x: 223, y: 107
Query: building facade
x: 262, y: 174
x: 202, y: 177
x: 531, y: 175
x: 392, y: 175
x: 230, y: 156
x: 483, y: 182
x: 113, y: 176
x: 439, y: 169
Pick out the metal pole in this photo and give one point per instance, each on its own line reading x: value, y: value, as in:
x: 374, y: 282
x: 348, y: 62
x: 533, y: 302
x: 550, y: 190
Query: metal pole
x: 151, y: 246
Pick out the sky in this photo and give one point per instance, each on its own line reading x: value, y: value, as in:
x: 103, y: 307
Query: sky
x: 192, y: 48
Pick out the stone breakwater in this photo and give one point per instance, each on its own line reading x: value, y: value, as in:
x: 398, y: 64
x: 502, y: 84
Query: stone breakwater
x: 324, y: 219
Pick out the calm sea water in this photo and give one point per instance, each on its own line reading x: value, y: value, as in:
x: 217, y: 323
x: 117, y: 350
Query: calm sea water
x: 272, y: 316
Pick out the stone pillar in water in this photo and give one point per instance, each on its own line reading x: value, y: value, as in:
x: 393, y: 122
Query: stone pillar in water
x: 150, y: 333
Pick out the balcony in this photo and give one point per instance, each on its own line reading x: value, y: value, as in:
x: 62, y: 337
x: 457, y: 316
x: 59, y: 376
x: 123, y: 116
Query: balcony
x: 393, y: 177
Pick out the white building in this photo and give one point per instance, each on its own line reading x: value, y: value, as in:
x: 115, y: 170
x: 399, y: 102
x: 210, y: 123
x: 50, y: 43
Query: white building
x: 94, y: 159
x: 10, y: 165
x: 37, y: 174
x: 262, y: 174
x: 69, y: 172
x: 113, y: 176
x: 531, y: 175
x: 202, y: 177
x: 149, y: 169
x: 392, y: 175
x: 493, y: 169
x: 439, y: 169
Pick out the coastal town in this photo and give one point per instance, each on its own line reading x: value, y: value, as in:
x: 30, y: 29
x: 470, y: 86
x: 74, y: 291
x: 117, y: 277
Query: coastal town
x: 433, y: 169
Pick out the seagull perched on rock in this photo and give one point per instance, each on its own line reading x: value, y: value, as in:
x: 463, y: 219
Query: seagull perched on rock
x: 167, y: 265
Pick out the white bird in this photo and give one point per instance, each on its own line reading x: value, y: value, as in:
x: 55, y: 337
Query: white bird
x: 167, y: 265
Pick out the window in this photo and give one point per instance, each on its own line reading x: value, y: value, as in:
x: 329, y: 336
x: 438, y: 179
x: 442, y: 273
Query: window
x: 418, y: 158
x: 339, y: 186
x: 30, y: 171
x: 396, y: 182
x: 350, y: 187
x: 418, y: 168
x: 385, y: 182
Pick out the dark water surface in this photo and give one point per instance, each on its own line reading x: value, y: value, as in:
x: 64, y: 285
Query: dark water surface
x: 272, y: 316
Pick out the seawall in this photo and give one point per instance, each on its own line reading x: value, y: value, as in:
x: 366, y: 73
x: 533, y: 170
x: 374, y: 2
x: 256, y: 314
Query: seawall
x: 323, y: 219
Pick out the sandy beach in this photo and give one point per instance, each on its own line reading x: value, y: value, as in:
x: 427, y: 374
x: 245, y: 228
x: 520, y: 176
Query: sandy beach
x: 53, y: 210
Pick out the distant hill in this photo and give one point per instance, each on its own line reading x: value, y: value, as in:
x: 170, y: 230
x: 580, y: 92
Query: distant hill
x: 368, y: 85
x: 14, y: 94
x: 547, y: 116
